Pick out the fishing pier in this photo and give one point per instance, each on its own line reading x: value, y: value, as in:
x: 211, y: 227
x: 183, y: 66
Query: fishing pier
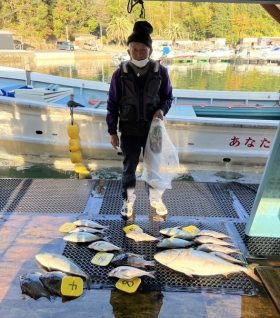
x: 32, y: 210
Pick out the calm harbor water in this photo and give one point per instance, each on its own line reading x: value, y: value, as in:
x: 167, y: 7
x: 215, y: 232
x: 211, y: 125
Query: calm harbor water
x: 201, y: 76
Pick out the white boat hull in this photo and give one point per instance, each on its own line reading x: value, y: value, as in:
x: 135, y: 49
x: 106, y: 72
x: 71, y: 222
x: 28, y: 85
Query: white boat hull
x: 36, y: 129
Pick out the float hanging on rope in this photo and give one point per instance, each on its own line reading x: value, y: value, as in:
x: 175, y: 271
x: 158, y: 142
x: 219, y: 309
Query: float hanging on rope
x: 74, y: 143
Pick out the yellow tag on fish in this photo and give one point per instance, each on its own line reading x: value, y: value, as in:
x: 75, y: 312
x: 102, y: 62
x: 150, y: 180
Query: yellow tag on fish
x: 128, y: 285
x: 191, y: 229
x: 72, y: 286
x: 67, y: 227
x: 132, y: 227
x: 102, y: 259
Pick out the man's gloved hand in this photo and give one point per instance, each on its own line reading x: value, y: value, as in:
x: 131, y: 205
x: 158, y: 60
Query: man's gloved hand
x: 115, y: 142
x: 158, y: 114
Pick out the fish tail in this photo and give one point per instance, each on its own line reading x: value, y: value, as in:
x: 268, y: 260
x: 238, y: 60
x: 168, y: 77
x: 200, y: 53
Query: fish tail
x: 150, y: 263
x: 250, y: 272
x: 88, y: 282
x: 235, y: 251
x: 151, y: 274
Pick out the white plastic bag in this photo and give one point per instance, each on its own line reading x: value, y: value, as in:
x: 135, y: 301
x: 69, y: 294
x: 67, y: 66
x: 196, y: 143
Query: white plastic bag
x: 161, y: 161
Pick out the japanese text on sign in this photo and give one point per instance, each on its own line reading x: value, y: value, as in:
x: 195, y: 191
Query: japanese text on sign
x: 250, y: 142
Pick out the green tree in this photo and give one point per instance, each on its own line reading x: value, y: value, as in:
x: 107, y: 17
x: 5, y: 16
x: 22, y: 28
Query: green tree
x: 119, y: 29
x: 175, y: 32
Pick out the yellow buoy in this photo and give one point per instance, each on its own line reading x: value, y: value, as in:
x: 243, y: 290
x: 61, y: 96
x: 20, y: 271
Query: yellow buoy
x: 73, y: 131
x: 79, y: 168
x: 74, y: 145
x: 76, y: 157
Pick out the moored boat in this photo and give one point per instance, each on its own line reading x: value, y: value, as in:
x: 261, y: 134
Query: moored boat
x: 38, y: 125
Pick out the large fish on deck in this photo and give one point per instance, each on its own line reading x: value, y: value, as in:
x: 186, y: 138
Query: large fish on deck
x: 57, y: 262
x: 90, y: 223
x: 197, y: 263
x: 217, y: 248
x: 215, y: 234
x: 81, y: 237
x: 128, y: 272
x: 176, y: 232
x: 140, y: 236
x: 32, y: 286
x: 212, y: 240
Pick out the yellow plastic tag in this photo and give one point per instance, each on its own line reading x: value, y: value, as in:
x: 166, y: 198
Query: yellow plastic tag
x: 72, y: 286
x: 128, y: 285
x: 102, y: 259
x: 132, y: 227
x: 67, y: 227
x: 191, y: 229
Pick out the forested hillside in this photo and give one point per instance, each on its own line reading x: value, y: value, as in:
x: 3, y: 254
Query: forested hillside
x: 49, y: 19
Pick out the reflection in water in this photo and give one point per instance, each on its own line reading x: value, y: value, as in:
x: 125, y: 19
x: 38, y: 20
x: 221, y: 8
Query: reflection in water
x: 203, y: 76
x: 140, y: 304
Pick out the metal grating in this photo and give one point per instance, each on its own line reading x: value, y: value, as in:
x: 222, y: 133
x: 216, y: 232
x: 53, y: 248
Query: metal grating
x: 44, y: 195
x: 259, y: 246
x: 112, y: 201
x: 166, y: 279
x: 245, y: 193
x: 185, y: 198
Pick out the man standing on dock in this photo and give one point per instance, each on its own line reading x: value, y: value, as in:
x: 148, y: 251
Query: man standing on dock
x: 140, y: 91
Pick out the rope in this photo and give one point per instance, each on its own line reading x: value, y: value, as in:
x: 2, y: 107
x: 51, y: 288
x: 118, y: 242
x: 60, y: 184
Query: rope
x: 131, y: 5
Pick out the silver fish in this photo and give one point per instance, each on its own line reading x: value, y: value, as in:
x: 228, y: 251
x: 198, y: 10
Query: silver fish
x: 128, y: 272
x: 140, y: 237
x: 176, y: 232
x: 103, y: 246
x: 87, y: 229
x: 197, y: 263
x: 215, y: 234
x: 217, y: 248
x: 173, y: 242
x: 32, y: 286
x: 61, y: 263
x: 228, y: 258
x: 211, y: 240
x: 89, y: 223
x: 131, y: 260
x: 81, y: 237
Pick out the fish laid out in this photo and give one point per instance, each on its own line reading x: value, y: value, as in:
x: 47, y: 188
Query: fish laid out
x: 88, y: 230
x: 56, y: 262
x: 131, y: 260
x: 211, y: 240
x: 228, y: 258
x: 89, y: 223
x: 103, y: 246
x: 217, y: 248
x: 81, y: 237
x: 176, y: 232
x: 192, y: 262
x: 215, y: 234
x: 128, y: 272
x: 52, y: 282
x: 140, y: 236
x: 32, y: 286
x: 174, y: 242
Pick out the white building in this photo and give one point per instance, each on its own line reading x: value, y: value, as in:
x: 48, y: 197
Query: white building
x: 6, y: 41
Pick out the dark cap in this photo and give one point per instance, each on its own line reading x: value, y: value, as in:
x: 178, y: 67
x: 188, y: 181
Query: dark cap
x: 141, y: 33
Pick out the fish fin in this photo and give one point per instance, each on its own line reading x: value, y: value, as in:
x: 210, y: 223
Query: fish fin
x: 105, y: 238
x: 250, y: 271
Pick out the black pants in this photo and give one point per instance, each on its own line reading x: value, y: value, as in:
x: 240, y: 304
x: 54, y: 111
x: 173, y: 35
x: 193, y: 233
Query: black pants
x: 131, y: 147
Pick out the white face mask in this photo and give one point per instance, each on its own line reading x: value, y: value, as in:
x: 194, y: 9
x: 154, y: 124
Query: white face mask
x: 141, y: 63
